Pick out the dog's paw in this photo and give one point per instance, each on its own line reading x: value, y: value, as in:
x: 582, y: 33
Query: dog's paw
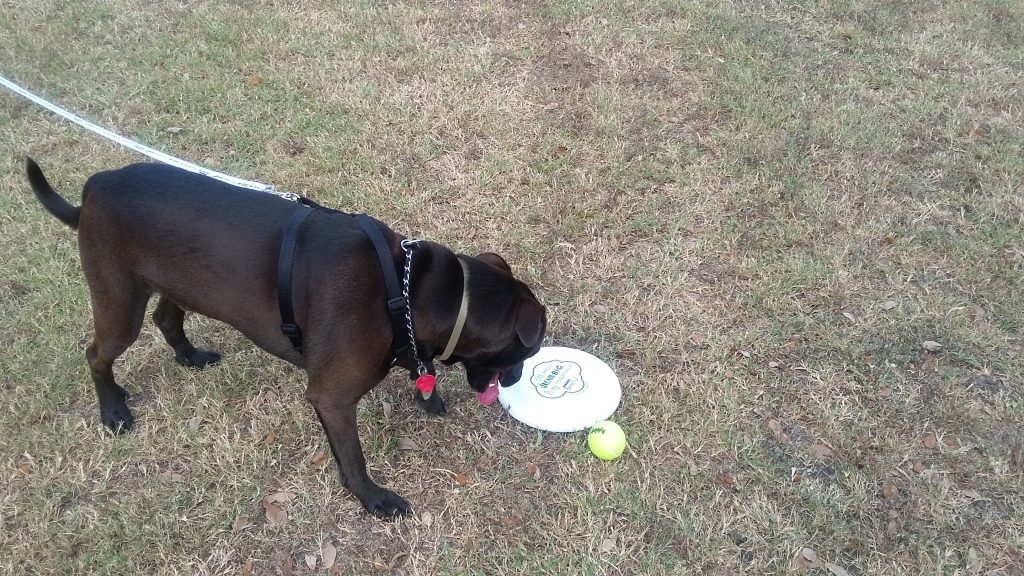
x: 433, y: 405
x: 197, y: 358
x: 385, y: 504
x: 117, y: 417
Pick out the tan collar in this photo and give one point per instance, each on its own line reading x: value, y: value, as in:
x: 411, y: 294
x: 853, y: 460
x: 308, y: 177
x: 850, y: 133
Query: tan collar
x: 463, y: 312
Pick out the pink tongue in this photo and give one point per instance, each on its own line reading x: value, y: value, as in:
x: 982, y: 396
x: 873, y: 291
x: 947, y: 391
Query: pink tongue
x: 487, y: 396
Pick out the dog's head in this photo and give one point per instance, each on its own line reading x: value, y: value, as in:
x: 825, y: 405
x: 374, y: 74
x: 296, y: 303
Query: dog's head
x: 504, y: 327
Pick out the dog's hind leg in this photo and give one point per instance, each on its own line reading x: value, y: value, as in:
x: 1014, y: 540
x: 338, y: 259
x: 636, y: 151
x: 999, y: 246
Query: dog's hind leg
x: 117, y: 314
x: 170, y: 318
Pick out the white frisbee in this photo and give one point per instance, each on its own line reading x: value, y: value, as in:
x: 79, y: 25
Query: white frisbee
x: 562, y: 390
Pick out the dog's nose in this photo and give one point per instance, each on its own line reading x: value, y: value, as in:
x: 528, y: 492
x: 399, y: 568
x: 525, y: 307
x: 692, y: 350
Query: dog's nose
x: 510, y: 377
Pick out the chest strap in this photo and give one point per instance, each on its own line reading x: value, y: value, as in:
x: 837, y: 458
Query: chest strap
x: 285, y: 265
x: 398, y: 306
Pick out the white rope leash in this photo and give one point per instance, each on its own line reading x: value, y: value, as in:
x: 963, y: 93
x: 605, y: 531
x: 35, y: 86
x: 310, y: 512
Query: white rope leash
x: 154, y: 154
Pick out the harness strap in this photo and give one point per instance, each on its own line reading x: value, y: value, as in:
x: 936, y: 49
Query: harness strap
x: 398, y: 306
x: 285, y: 263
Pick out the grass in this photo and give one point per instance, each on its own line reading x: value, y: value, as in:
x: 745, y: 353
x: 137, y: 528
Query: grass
x: 756, y: 212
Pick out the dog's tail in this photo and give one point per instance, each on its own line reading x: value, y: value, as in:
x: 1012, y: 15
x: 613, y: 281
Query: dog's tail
x: 52, y: 201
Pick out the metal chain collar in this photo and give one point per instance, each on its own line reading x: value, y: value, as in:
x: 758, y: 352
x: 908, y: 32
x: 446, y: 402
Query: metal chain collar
x: 407, y: 246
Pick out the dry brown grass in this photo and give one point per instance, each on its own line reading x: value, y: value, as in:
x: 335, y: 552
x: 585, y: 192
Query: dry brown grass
x: 756, y: 212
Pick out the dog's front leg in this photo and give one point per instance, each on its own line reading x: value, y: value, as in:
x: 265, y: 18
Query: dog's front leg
x: 336, y: 408
x: 433, y: 405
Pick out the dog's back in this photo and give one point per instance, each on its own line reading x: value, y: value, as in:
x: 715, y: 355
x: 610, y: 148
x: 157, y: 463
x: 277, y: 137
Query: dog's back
x: 203, y: 244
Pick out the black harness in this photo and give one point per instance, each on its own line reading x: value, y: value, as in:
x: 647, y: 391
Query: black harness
x: 398, y: 305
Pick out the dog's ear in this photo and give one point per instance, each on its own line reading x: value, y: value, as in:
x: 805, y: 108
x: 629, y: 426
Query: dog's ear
x: 531, y: 320
x: 495, y: 260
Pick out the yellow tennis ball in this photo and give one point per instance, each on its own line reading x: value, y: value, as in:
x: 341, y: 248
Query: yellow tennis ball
x: 606, y: 440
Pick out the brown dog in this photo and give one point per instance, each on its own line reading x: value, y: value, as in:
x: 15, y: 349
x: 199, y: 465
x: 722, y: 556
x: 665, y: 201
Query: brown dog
x: 212, y: 248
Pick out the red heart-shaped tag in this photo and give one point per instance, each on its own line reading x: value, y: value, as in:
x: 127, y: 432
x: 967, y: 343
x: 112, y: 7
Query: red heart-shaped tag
x: 425, y: 384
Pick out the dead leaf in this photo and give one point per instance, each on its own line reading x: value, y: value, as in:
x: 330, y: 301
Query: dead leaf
x: 512, y: 521
x: 608, y: 544
x: 427, y: 518
x: 697, y: 339
x: 950, y: 441
x: 837, y: 570
x: 931, y: 345
x: 279, y: 497
x: 319, y: 459
x: 892, y: 527
x: 270, y: 437
x: 883, y: 393
x: 310, y: 561
x: 387, y: 408
x: 850, y: 317
x: 329, y: 553
x: 247, y: 568
x: 24, y: 469
x: 773, y: 364
x: 776, y: 427
x: 379, y: 564
x: 889, y: 305
x: 241, y: 523
x: 405, y: 443
x: 269, y: 398
x: 929, y: 440
x: 918, y: 466
x: 890, y: 491
x: 253, y: 80
x: 168, y: 476
x: 173, y: 129
x: 744, y: 353
x: 461, y: 479
x: 979, y: 130
x: 974, y: 561
x: 194, y: 423
x: 807, y: 558
x: 396, y: 559
x: 275, y: 514
x: 728, y: 373
x: 533, y: 470
x: 972, y: 494
x: 288, y: 567
x: 824, y: 453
